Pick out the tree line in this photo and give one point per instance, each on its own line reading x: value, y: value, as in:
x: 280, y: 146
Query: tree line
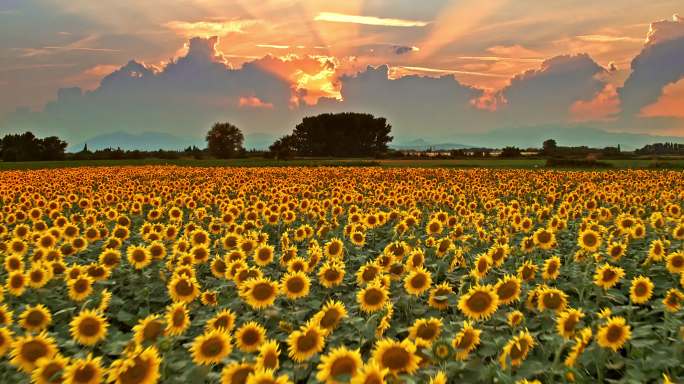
x: 345, y: 134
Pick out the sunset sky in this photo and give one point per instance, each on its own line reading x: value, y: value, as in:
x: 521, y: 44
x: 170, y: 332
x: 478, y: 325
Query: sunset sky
x: 493, y: 64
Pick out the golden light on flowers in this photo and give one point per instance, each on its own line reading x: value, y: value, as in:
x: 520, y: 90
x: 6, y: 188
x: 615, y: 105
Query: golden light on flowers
x: 211, y: 347
x: 232, y: 250
x: 339, y: 363
x: 138, y: 257
x: 641, y: 290
x: 479, y: 303
x: 614, y: 333
x: 88, y: 327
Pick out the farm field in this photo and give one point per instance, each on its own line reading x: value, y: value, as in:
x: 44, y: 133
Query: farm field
x: 667, y: 163
x: 186, y: 274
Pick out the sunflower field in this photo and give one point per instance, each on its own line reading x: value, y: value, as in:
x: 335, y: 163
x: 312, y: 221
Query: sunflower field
x: 340, y: 275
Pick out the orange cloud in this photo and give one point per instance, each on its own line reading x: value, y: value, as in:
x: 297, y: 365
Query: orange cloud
x: 669, y: 104
x: 253, y: 102
x: 368, y: 20
x: 603, y: 107
x: 209, y: 28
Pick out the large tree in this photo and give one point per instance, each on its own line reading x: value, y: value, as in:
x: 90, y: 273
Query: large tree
x: 224, y: 140
x: 339, y: 135
x: 27, y: 147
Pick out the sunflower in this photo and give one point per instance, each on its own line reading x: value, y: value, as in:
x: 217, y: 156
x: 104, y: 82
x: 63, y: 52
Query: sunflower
x: 84, y: 371
x: 89, y: 327
x: 439, y: 296
x: 367, y: 273
x: 330, y: 316
x: 339, y: 365
x: 331, y: 274
x: 425, y: 331
x: 434, y: 227
x: 80, y: 287
x: 675, y: 262
x: 552, y: 299
x: 35, y: 318
x: 16, y: 283
x: 141, y: 366
x: 6, y: 340
x: 551, y: 268
x: 589, y: 240
x: 370, y: 373
x: 305, y: 342
x: 641, y: 290
x: 466, y: 340
x: 508, y: 289
x: 264, y: 255
x: 259, y: 292
x: 607, y: 276
x: 656, y: 251
x: 567, y: 321
x: 266, y: 376
x: 269, y: 355
x: 516, y: 349
x: 211, y: 347
x: 183, y: 288
x: 358, y: 238
x: 14, y: 263
x: 177, y: 319
x: 250, y: 336
x: 397, y: 357
x: 224, y: 319
x: 417, y: 281
x: 581, y: 342
x: 673, y: 300
x: 515, y: 318
x: 148, y: 329
x: 218, y: 268
x: 50, y: 370
x: 614, y: 333
x: 616, y: 251
x: 480, y: 302
x: 5, y: 315
x: 39, y: 275
x: 236, y: 373
x: 295, y: 285
x: 527, y: 271
x: 139, y: 257
x: 544, y: 238
x: 27, y: 349
x: 372, y: 298
x: 334, y: 249
x: 482, y: 266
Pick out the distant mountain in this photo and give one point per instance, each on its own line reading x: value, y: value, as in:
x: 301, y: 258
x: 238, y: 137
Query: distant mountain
x: 152, y: 141
x: 422, y: 144
x: 534, y: 136
x: 146, y: 141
